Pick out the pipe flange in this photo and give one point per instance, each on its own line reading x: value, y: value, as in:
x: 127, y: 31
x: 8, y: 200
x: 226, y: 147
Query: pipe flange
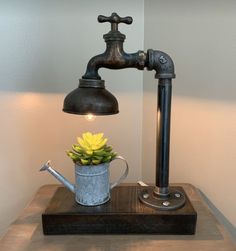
x: 174, y: 200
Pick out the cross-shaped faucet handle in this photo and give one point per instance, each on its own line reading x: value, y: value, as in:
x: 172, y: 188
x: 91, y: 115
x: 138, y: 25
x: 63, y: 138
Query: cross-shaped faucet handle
x: 115, y: 19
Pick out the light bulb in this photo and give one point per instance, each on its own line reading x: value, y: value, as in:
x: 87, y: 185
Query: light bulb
x: 90, y: 117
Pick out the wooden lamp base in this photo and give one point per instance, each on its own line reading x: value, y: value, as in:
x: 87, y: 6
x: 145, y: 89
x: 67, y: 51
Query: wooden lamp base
x: 123, y: 214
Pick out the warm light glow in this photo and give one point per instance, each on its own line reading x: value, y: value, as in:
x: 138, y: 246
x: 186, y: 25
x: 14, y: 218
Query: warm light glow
x: 90, y: 117
x: 29, y: 100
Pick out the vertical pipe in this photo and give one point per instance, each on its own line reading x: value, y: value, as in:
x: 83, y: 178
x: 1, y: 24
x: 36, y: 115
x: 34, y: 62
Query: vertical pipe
x: 163, y: 136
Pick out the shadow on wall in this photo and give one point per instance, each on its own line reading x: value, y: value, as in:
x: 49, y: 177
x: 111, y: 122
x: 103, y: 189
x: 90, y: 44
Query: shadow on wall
x: 34, y: 61
x: 45, y: 47
x: 199, y: 38
x: 209, y: 87
x: 42, y: 47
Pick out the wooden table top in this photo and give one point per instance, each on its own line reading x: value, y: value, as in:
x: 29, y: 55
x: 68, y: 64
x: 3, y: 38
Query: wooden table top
x: 26, y: 232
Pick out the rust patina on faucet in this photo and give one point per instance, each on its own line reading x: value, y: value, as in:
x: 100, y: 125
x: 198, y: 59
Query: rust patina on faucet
x: 92, y: 97
x: 116, y: 58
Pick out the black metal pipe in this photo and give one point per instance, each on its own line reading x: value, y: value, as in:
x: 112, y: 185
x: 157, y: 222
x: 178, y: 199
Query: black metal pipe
x: 163, y: 134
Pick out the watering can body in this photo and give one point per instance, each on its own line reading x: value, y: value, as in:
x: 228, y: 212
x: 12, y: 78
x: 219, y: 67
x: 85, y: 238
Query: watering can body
x: 92, y: 186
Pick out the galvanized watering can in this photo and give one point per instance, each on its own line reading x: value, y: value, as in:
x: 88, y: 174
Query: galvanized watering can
x: 92, y: 186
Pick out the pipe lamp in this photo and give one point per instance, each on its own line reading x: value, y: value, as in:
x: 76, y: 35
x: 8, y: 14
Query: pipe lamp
x: 91, y: 97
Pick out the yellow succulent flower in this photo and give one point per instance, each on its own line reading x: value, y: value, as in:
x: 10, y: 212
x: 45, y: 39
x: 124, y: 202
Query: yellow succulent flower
x: 91, y: 150
x: 91, y: 142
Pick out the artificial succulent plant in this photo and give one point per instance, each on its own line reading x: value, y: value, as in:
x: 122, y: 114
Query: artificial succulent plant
x: 91, y: 150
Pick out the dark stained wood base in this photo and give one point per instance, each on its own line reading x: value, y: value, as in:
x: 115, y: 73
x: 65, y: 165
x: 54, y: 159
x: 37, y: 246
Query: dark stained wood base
x: 123, y: 214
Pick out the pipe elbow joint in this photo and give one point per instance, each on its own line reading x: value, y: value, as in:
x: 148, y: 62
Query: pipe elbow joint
x: 161, y: 63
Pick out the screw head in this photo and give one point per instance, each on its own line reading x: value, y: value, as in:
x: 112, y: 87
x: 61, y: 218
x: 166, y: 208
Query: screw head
x: 177, y: 195
x: 166, y: 203
x: 145, y: 196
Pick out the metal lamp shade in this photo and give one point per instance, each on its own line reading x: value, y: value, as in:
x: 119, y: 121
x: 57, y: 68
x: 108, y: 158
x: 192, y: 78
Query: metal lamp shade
x: 90, y: 97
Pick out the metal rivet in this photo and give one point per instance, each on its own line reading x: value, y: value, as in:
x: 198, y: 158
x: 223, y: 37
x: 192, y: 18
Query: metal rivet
x: 177, y: 195
x: 145, y: 196
x: 166, y: 203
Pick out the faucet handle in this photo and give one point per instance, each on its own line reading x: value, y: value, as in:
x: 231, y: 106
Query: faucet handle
x: 115, y: 19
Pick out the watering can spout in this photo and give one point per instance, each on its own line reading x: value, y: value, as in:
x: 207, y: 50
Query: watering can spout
x: 58, y: 176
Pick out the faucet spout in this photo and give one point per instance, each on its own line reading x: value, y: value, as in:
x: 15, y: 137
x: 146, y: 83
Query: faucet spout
x: 58, y: 176
x: 114, y: 57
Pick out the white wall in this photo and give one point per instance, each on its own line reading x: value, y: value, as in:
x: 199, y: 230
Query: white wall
x: 44, y: 48
x: 200, y: 37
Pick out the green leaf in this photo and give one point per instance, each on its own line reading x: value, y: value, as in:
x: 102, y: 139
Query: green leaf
x: 107, y: 159
x: 98, y: 157
x: 84, y: 161
x: 96, y: 161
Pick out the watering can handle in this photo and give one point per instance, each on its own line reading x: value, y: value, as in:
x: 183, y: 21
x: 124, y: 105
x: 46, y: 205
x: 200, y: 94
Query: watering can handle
x: 114, y: 184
